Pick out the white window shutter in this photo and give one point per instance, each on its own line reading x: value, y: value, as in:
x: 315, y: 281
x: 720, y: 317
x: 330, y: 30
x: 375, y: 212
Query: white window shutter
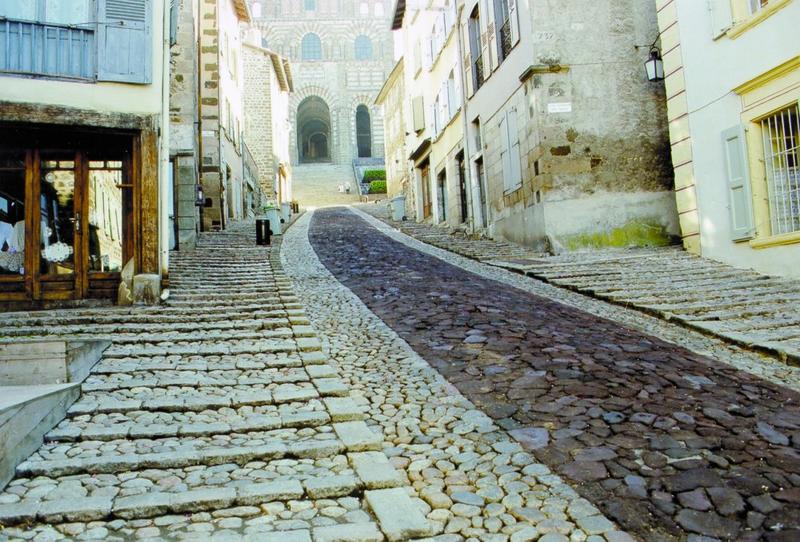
x: 491, y: 38
x: 504, y: 152
x: 513, y: 154
x: 456, y: 92
x: 430, y: 120
x: 513, y: 18
x: 721, y: 17
x: 738, y: 177
x: 427, y: 55
x: 467, y: 57
x: 124, y: 41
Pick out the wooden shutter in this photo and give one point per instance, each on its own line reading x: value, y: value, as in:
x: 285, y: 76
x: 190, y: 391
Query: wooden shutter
x: 427, y: 56
x: 467, y: 57
x: 124, y: 44
x: 430, y: 120
x: 513, y: 149
x: 418, y: 113
x: 513, y: 18
x: 504, y: 154
x: 491, y: 37
x: 444, y: 106
x: 457, y: 95
x: 738, y: 175
x: 721, y: 17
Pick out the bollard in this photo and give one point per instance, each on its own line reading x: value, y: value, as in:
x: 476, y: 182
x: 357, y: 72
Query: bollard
x: 263, y: 232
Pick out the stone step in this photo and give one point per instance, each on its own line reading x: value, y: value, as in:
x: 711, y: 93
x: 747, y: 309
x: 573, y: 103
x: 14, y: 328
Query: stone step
x: 158, y: 424
x: 26, y: 414
x: 117, y: 456
x: 36, y: 362
x: 157, y: 503
x: 143, y: 349
x: 105, y: 329
x: 197, y: 363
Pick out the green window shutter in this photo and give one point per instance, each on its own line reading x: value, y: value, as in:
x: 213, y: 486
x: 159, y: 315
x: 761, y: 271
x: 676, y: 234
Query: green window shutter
x: 124, y: 41
x: 738, y: 177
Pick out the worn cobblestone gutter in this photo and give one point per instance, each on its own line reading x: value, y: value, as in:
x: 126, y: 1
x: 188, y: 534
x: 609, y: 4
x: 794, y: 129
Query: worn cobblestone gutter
x: 665, y: 441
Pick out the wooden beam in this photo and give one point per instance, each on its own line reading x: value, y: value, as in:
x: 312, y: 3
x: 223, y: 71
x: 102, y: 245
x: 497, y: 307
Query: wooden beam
x: 71, y: 116
x: 148, y: 202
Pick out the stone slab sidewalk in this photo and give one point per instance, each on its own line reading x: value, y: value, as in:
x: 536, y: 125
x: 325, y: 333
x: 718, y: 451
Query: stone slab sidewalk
x: 741, y: 306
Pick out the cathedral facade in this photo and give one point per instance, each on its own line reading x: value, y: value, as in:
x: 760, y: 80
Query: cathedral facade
x: 341, y: 52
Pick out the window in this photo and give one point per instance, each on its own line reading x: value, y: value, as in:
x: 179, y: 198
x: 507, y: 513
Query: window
x: 363, y: 48
x: 756, y: 5
x: 507, y: 25
x: 311, y: 47
x: 474, y: 28
x: 310, y: 5
x: 379, y: 9
x: 781, y: 132
x: 363, y: 8
x: 255, y: 9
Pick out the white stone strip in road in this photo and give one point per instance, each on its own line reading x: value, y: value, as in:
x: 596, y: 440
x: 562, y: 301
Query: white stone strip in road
x: 468, y: 478
x: 764, y: 366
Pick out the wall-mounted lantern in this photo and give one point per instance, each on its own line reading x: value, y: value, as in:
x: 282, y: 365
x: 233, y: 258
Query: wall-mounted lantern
x: 654, y: 66
x: 200, y: 199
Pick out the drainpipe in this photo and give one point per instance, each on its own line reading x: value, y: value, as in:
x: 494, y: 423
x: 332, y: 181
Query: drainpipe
x: 164, y: 188
x: 465, y: 121
x: 198, y: 28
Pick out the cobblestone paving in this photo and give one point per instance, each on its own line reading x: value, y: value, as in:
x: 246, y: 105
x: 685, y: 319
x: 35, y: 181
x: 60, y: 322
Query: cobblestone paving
x: 665, y: 441
x: 215, y: 417
x: 741, y: 306
x: 474, y: 482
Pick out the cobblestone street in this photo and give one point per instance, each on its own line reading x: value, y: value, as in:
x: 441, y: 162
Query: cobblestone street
x: 666, y: 441
x: 352, y: 384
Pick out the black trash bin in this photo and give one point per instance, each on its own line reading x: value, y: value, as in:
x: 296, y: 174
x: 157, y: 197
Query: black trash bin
x: 263, y: 232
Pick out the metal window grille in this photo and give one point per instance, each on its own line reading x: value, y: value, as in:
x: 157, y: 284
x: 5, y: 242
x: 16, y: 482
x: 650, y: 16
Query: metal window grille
x: 505, y: 39
x: 781, y: 133
x: 477, y: 72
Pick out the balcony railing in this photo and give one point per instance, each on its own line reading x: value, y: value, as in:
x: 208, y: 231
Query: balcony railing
x: 477, y: 72
x: 46, y: 49
x: 505, y: 39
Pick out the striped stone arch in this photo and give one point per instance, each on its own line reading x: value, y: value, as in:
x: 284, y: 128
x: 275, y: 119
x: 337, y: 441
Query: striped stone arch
x: 326, y: 95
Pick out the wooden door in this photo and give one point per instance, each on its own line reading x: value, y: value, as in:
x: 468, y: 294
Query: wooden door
x: 55, y: 247
x: 425, y: 180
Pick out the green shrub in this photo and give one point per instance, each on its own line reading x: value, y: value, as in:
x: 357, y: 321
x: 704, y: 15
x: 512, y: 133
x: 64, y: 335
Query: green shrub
x: 377, y: 187
x: 374, y: 175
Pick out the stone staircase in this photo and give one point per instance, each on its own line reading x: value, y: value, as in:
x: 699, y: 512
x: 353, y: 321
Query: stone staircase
x: 215, y: 414
x: 316, y: 185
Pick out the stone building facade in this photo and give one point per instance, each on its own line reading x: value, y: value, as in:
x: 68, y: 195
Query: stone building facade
x: 569, y: 141
x: 392, y: 99
x: 341, y: 52
x: 221, y: 110
x: 267, y: 90
x: 183, y: 116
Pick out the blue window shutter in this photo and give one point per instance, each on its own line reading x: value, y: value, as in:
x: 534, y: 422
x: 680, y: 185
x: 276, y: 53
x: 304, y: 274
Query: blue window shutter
x: 738, y: 177
x: 124, y: 44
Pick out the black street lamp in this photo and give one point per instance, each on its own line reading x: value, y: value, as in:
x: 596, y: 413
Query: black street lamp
x: 654, y: 66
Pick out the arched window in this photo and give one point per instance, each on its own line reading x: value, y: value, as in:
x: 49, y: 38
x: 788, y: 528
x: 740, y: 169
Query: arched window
x: 379, y: 10
x: 363, y: 47
x: 255, y: 9
x: 363, y: 8
x: 363, y: 132
x: 311, y: 47
x: 310, y: 5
